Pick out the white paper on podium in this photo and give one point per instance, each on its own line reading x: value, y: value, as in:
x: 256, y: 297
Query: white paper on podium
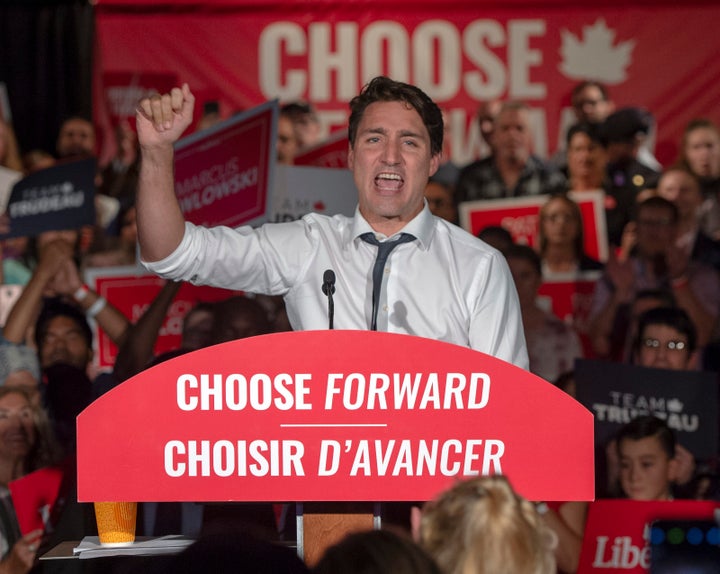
x: 90, y: 547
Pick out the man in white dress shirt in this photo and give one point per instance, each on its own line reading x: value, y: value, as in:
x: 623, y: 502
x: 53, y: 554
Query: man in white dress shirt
x: 438, y: 282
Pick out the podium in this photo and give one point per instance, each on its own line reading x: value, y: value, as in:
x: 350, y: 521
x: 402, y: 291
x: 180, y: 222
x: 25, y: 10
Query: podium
x: 327, y: 417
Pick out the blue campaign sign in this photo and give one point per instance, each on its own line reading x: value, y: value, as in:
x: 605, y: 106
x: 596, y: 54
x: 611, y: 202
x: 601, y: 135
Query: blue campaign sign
x: 60, y: 197
x: 617, y: 393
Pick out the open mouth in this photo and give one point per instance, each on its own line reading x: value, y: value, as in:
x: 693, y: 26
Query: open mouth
x: 388, y: 181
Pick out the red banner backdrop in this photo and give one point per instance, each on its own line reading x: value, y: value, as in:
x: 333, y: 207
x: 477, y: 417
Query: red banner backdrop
x: 331, y: 415
x: 243, y: 52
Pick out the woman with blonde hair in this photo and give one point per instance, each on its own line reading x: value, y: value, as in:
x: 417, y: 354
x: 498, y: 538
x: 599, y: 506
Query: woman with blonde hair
x: 26, y: 445
x: 482, y: 525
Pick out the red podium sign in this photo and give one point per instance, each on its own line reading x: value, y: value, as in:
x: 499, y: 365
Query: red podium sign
x: 331, y: 416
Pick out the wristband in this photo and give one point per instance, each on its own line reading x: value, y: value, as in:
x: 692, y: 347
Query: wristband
x: 81, y: 293
x: 96, y: 307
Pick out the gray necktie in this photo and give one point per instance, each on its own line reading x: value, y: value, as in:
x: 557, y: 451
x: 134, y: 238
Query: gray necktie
x: 384, y: 250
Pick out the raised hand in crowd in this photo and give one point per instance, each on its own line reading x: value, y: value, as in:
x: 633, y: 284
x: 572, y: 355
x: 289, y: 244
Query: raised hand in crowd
x: 21, y: 557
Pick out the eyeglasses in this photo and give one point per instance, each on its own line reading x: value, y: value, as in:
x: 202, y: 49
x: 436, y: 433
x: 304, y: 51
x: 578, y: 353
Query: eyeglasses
x: 670, y: 345
x: 655, y: 222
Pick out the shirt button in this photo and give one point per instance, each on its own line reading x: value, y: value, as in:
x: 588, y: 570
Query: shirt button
x: 387, y: 270
x: 385, y: 308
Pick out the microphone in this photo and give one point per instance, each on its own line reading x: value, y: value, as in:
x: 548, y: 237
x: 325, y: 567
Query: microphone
x: 328, y: 288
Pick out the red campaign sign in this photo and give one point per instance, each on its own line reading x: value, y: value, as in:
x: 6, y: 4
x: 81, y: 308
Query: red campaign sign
x: 34, y: 496
x: 223, y: 174
x: 331, y: 416
x: 132, y: 295
x: 617, y: 532
x: 530, y: 51
x: 571, y: 301
x: 332, y: 152
x: 521, y: 217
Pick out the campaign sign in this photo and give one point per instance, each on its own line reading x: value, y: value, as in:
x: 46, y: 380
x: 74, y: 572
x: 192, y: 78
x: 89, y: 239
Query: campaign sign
x: 223, y: 174
x: 571, y: 301
x: 298, y: 191
x: 59, y: 197
x: 34, y: 496
x: 132, y: 293
x: 333, y: 152
x: 617, y: 393
x: 521, y: 217
x: 618, y: 532
x: 331, y: 416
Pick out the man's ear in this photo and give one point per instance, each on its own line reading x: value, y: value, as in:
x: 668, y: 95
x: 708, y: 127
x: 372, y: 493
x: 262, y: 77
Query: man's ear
x: 434, y: 163
x: 350, y: 156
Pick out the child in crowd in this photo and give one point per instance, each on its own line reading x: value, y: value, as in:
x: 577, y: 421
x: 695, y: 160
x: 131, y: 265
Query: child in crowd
x: 648, y: 465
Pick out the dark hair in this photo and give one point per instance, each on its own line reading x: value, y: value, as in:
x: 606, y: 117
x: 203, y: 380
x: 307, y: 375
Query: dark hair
x: 590, y: 130
x: 298, y: 110
x: 665, y: 296
x: 383, y: 89
x: 645, y: 427
x: 56, y: 307
x: 657, y: 202
x: 527, y: 253
x: 376, y: 552
x: 226, y: 311
x: 496, y: 235
x: 579, y: 240
x: 589, y: 84
x: 674, y: 317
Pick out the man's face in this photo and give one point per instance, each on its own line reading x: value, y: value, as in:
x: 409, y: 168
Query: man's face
x: 440, y: 200
x: 486, y: 115
x: 286, y: 145
x: 663, y: 347
x: 590, y: 105
x: 703, y: 152
x: 586, y: 158
x: 512, y: 138
x: 391, y: 162
x: 656, y: 231
x: 64, y: 342
x: 76, y: 137
x: 681, y: 189
x: 526, y: 279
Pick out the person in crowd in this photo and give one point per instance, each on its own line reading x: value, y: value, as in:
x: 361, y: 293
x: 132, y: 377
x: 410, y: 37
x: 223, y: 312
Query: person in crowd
x: 440, y: 196
x: 496, y: 236
x: 561, y: 240
x: 286, y: 145
x: 646, y: 453
x: 395, y: 138
x: 482, y: 525
x: 19, y: 368
x: 26, y: 445
x: 623, y: 133
x: 305, y: 122
x: 65, y: 336
x: 586, y: 158
x: 9, y: 149
x: 665, y: 339
x: 486, y: 113
x: 626, y: 321
x: 37, y: 160
x: 656, y: 263
x: 682, y: 188
x: 700, y: 154
x: 76, y: 138
x: 376, y: 552
x: 512, y: 170
x: 552, y: 345
x: 119, y: 176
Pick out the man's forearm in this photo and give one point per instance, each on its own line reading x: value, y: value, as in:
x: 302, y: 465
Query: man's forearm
x: 160, y: 222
